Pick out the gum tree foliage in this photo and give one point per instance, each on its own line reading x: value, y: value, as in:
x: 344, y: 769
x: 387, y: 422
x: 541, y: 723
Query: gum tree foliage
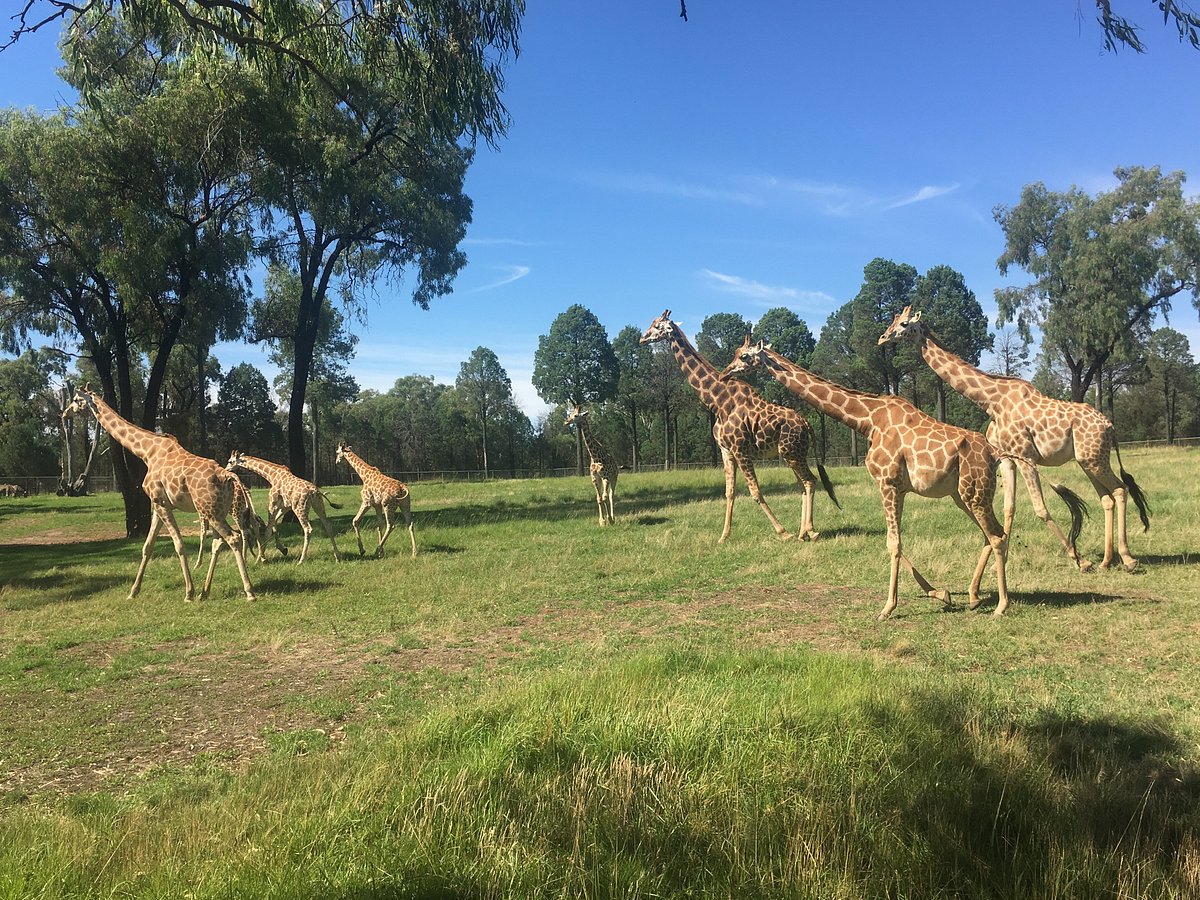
x: 485, y: 391
x: 634, y: 396
x: 123, y: 221
x: 789, y: 335
x: 369, y: 105
x: 245, y: 414
x: 887, y: 288
x: 29, y: 440
x: 574, y: 365
x: 1102, y: 266
x: 1172, y: 370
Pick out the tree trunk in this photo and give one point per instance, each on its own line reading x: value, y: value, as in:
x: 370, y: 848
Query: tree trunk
x: 483, y: 428
x: 578, y: 452
x: 853, y: 447
x: 940, y: 390
x: 666, y: 437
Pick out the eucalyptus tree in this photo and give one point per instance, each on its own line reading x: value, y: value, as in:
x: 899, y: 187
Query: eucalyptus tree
x: 634, y: 396
x: 790, y: 336
x: 887, y: 288
x: 28, y: 435
x: 719, y: 336
x: 486, y: 392
x: 1172, y: 368
x: 1102, y: 266
x: 124, y: 220
x: 245, y: 414
x: 574, y: 364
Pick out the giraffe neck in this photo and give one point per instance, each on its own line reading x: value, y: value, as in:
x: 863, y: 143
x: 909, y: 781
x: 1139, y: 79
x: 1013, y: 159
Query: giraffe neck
x: 273, y: 472
x: 360, y: 465
x: 978, y: 386
x: 698, y: 371
x: 850, y: 407
x: 136, y: 440
x: 594, y: 448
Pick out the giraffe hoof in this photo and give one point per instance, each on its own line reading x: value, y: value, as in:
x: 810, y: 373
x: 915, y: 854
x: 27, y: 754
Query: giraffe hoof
x: 973, y: 602
x: 787, y: 536
x: 283, y: 550
x: 1130, y: 566
x: 250, y: 598
x: 1085, y: 565
x: 812, y: 535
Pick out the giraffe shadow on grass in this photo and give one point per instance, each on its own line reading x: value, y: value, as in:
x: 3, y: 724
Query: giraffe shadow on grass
x: 55, y: 588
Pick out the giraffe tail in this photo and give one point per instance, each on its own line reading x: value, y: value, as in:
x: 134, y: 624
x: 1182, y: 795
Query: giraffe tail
x: 828, y: 485
x: 1078, y: 509
x: 330, y: 500
x: 1135, y: 491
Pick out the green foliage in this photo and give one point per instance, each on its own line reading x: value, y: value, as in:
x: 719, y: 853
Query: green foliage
x: 575, y: 364
x: 29, y: 441
x: 245, y: 415
x: 1103, y: 266
x: 788, y: 335
x: 485, y: 390
x: 719, y: 336
x: 887, y: 288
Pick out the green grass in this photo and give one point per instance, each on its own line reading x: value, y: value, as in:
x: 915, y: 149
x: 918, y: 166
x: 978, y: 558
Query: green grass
x: 536, y: 706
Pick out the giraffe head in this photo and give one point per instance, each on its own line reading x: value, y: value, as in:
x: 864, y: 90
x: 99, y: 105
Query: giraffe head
x: 81, y: 402
x: 578, y: 414
x: 907, y: 324
x: 661, y: 329
x: 236, y: 458
x: 747, y: 357
x: 341, y: 452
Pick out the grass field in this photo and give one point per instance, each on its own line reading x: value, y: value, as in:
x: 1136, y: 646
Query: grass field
x: 538, y: 707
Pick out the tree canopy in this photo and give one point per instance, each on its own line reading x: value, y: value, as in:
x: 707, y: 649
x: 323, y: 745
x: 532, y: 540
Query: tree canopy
x: 1102, y: 266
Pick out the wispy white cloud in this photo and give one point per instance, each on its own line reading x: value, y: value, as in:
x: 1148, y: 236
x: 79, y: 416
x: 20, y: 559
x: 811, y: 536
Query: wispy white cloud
x: 649, y: 183
x: 764, y: 294
x: 515, y: 273
x: 927, y: 192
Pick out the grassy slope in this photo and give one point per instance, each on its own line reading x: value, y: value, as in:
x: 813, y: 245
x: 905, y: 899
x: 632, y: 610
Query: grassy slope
x: 536, y: 706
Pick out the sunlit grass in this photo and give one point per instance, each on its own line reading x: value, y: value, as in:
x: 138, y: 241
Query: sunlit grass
x: 536, y: 706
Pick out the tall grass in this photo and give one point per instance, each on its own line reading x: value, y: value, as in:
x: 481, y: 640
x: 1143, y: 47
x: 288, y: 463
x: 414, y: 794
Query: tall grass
x: 536, y: 707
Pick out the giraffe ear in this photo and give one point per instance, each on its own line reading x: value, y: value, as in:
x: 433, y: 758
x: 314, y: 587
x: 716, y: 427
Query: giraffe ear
x: 916, y: 317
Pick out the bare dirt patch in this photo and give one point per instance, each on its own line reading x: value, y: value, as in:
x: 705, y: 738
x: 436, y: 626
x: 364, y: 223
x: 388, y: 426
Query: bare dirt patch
x: 57, y: 536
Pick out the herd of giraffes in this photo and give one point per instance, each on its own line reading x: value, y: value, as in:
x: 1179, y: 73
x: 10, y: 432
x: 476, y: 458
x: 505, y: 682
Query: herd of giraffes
x: 909, y: 452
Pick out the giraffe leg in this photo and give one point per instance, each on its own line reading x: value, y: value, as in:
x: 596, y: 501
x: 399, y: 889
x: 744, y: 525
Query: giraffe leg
x: 610, y: 492
x: 386, y: 513
x: 319, y: 505
x: 598, y: 487
x: 799, y: 466
x: 234, y: 540
x: 277, y: 511
x: 167, y: 518
x: 756, y: 492
x: 203, y: 537
x: 730, y: 489
x: 156, y: 523
x: 362, y: 511
x: 1113, y: 497
x: 1008, y: 476
x: 893, y: 508
x: 406, y: 508
x: 306, y: 527
x: 1033, y: 484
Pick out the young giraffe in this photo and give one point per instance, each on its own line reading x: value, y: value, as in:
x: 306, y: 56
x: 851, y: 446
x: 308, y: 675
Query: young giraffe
x: 1026, y: 422
x: 385, y: 494
x: 175, y: 479
x: 909, y: 452
x: 747, y: 427
x: 288, y: 491
x: 252, y: 527
x: 603, y: 467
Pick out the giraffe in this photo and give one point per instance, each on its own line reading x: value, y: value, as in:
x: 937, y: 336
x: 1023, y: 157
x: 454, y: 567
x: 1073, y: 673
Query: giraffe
x: 385, y: 494
x: 175, y: 479
x: 747, y: 427
x: 292, y: 492
x: 251, y: 526
x: 1026, y: 422
x: 909, y: 452
x: 603, y: 467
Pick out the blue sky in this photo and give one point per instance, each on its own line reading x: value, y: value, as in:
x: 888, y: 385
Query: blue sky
x: 759, y: 155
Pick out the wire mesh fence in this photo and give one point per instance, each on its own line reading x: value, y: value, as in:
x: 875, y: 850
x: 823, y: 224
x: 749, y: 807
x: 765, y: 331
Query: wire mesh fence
x: 49, y: 484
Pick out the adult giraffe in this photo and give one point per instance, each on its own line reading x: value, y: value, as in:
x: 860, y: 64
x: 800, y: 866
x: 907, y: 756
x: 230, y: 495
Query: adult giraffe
x: 909, y: 452
x: 1026, y: 422
x: 747, y: 427
x: 175, y: 479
